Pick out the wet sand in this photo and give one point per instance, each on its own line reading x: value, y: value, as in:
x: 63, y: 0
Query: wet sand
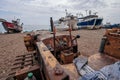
x: 12, y: 45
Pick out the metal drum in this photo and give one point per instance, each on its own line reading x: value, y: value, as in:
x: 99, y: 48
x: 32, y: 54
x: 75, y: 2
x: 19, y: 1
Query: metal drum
x: 102, y: 45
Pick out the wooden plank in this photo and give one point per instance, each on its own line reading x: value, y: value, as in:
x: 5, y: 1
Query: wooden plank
x: 22, y: 73
x: 50, y: 63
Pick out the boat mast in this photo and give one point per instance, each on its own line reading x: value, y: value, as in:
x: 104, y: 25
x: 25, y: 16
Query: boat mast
x: 89, y: 12
x: 86, y: 12
x: 66, y: 12
x: 95, y: 13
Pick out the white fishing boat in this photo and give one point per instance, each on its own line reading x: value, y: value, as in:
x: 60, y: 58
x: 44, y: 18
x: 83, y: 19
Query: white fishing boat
x: 64, y: 22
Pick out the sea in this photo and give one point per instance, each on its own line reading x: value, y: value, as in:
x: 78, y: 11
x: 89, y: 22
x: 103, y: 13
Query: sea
x: 29, y: 28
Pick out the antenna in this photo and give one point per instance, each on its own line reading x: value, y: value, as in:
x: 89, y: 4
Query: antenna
x: 95, y: 13
x: 86, y: 11
x: 89, y: 12
x: 14, y: 18
x: 81, y: 14
x: 66, y: 12
x: 77, y: 14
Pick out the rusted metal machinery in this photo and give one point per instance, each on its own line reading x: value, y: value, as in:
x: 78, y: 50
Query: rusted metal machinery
x: 29, y: 42
x: 53, y: 61
x: 56, y: 57
x: 111, y: 43
x: 51, y: 52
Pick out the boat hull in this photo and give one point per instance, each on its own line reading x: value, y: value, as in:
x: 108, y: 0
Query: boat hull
x: 11, y: 27
x: 90, y: 24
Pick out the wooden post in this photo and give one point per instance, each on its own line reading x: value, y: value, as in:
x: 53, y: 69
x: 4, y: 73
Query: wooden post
x: 51, y: 23
x: 70, y: 35
x: 54, y: 32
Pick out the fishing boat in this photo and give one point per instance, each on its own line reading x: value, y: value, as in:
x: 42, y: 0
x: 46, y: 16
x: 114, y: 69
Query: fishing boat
x: 12, y: 27
x: 64, y: 22
x: 91, y: 21
x: 108, y: 25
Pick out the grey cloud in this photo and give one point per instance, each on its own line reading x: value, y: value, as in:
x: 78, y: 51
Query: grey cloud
x: 38, y: 9
x: 115, y: 5
x: 26, y: 0
x: 44, y: 2
x: 88, y: 4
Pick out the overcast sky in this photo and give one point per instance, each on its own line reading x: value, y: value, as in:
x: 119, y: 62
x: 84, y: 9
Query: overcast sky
x: 38, y: 12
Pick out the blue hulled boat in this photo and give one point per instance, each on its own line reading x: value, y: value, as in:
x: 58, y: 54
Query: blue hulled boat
x: 90, y: 22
